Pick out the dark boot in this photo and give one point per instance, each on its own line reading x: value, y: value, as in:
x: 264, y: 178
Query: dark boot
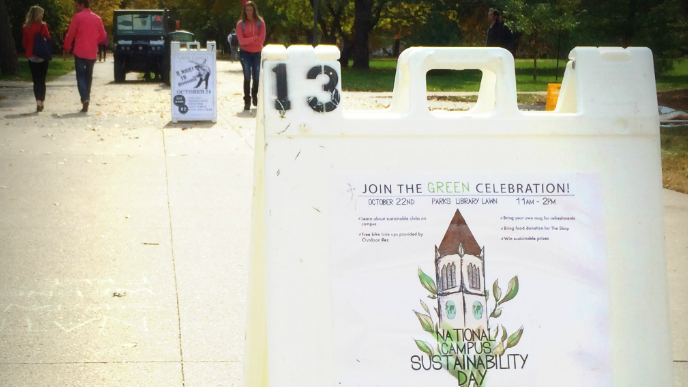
x: 247, y: 103
x: 255, y: 99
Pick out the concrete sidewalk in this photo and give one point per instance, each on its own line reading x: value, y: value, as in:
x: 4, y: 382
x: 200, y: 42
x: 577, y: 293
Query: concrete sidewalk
x: 125, y: 237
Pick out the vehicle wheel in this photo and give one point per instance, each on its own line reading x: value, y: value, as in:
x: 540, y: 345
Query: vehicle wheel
x: 120, y: 74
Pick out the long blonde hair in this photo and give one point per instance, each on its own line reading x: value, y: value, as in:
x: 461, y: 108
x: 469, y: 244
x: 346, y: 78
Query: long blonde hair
x: 35, y: 14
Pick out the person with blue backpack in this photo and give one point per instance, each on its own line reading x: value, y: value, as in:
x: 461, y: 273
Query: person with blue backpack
x: 251, y: 34
x: 38, y: 62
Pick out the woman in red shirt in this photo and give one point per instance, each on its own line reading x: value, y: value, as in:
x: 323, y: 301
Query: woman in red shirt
x: 251, y: 34
x: 39, y: 67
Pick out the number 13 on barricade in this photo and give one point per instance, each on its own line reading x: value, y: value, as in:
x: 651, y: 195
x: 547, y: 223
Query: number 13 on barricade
x: 298, y: 84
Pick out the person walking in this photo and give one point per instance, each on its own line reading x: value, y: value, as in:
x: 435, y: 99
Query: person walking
x: 85, y: 31
x: 251, y: 34
x: 39, y: 67
x: 498, y: 34
x: 102, y: 48
x: 233, y: 45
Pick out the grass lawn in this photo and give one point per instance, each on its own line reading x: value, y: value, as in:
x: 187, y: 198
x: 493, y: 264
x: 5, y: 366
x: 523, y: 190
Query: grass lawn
x: 381, y: 77
x: 58, y: 66
x: 675, y: 158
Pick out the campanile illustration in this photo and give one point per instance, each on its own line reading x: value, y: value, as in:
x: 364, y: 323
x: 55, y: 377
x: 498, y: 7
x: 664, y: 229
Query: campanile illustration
x: 460, y: 276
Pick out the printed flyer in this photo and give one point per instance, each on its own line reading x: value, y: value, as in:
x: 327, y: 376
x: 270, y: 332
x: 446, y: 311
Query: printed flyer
x: 193, y: 85
x: 469, y: 280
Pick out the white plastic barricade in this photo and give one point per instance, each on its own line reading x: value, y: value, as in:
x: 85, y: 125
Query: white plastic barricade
x: 193, y: 81
x: 492, y: 247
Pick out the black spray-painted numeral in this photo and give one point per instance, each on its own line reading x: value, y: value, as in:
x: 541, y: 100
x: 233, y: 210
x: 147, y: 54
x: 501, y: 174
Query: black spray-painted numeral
x: 282, y: 102
x: 330, y: 87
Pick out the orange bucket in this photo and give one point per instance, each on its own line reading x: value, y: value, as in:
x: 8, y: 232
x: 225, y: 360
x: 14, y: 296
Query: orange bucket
x: 552, y: 95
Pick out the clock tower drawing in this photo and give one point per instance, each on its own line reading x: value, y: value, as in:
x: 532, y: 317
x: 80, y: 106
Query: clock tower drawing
x: 460, y: 276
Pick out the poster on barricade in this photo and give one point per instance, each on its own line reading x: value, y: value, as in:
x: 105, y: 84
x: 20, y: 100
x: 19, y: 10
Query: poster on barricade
x: 469, y: 279
x: 194, y: 91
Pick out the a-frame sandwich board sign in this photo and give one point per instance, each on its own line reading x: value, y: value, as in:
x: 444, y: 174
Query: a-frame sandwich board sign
x: 488, y: 247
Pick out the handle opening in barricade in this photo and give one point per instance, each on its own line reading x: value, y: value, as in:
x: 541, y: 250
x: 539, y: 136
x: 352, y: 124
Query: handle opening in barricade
x: 497, y: 93
x: 466, y: 81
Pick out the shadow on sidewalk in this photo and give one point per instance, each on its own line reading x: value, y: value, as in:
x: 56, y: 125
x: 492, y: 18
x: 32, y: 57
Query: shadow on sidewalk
x: 21, y: 115
x: 69, y: 115
x: 246, y: 113
x: 190, y: 124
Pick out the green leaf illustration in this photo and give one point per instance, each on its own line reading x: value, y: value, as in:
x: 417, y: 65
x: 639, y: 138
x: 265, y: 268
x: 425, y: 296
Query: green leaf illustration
x: 499, y: 350
x: 427, y: 282
x: 514, y: 338
x: 425, y: 307
x: 497, y: 291
x: 511, y: 291
x: 487, y: 294
x: 433, y: 297
x: 425, y: 322
x: 437, y: 311
x: 503, y: 334
x: 496, y: 313
x: 425, y: 347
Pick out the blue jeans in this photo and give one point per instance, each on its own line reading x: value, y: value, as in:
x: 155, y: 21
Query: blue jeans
x: 84, y: 76
x: 250, y: 62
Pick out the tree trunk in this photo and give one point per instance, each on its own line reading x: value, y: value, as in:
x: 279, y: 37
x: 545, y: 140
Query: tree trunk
x: 397, y: 47
x: 362, y: 25
x: 347, y: 51
x: 534, y: 67
x: 9, y: 64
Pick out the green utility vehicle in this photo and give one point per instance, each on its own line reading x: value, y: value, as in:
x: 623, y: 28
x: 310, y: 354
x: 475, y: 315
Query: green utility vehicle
x: 139, y: 40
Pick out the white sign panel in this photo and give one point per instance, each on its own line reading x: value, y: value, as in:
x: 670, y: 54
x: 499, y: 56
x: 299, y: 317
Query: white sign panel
x: 194, y: 91
x: 492, y: 279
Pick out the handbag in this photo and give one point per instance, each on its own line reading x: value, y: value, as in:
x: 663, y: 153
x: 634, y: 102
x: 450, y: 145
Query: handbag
x: 42, y: 46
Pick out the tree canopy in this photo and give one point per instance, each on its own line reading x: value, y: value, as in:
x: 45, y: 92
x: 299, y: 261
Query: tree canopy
x: 543, y: 28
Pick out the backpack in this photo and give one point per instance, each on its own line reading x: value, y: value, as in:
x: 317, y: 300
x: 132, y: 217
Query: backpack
x: 244, y: 25
x: 508, y: 40
x: 234, y: 41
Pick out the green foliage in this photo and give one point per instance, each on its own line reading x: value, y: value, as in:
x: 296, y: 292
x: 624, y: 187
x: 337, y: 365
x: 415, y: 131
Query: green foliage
x: 659, y: 24
x: 58, y: 14
x: 425, y: 307
x: 57, y: 68
x: 511, y: 292
x: 514, y: 338
x: 439, y: 28
x: 425, y: 322
x: 449, y: 341
x: 425, y: 347
x: 427, y: 283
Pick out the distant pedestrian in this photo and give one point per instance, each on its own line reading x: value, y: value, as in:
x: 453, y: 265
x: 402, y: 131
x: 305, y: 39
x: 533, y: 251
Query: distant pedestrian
x: 251, y: 34
x: 102, y: 48
x: 233, y: 46
x: 39, y: 67
x: 85, y: 31
x: 499, y: 35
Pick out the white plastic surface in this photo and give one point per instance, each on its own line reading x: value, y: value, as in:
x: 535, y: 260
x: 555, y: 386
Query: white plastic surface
x: 606, y: 122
